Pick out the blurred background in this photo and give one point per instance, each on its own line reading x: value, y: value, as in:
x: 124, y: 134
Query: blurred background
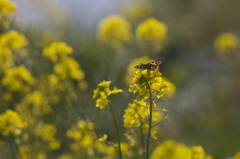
x: 206, y: 105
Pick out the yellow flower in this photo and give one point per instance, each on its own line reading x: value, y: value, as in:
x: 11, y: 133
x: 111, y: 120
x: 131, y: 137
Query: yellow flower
x: 170, y: 90
x: 11, y: 123
x: 17, y: 78
x: 35, y: 103
x: 13, y: 40
x: 114, y: 30
x: 226, y: 42
x: 145, y: 78
x: 171, y: 150
x: 197, y: 152
x: 56, y: 51
x: 237, y: 155
x: 103, y: 91
x: 69, y: 68
x: 152, y: 32
x: 46, y: 131
x: 6, y: 59
x: 103, y: 139
x: 7, y: 11
x: 131, y: 70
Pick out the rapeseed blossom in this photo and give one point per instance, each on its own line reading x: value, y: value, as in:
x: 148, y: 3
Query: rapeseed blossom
x: 136, y: 112
x: 237, y: 155
x: 172, y: 150
x: 86, y: 144
x: 7, y: 11
x: 18, y: 79
x: 11, y: 123
x: 56, y: 51
x: 131, y: 70
x: 34, y: 103
x: 170, y: 90
x: 11, y: 48
x: 114, y: 30
x: 103, y: 139
x: 152, y: 32
x: 103, y: 91
x: 144, y: 79
x: 13, y: 40
x: 47, y: 133
x: 68, y: 68
x: 226, y: 43
x: 6, y: 59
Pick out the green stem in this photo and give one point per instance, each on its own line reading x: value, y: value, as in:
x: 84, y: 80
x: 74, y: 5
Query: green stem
x: 116, y: 126
x: 142, y: 137
x: 149, y: 122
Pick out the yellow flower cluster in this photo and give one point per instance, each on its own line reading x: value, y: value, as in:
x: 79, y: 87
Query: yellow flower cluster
x: 170, y: 90
x: 13, y: 40
x: 47, y: 133
x: 136, y: 112
x: 131, y: 70
x: 7, y: 11
x: 28, y: 151
x: 56, y: 51
x: 69, y: 68
x: 86, y: 144
x: 11, y: 43
x: 64, y: 67
x: 237, y: 155
x: 11, y: 123
x: 226, y: 42
x: 114, y: 30
x: 172, y: 150
x: 18, y: 79
x: 152, y: 32
x: 35, y: 104
x: 103, y: 91
x: 144, y: 79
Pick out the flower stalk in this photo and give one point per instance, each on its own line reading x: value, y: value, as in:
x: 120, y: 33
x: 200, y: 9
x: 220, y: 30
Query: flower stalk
x: 117, y: 131
x: 149, y: 121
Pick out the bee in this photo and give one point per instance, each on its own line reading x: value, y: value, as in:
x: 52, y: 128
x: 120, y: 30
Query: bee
x: 153, y: 66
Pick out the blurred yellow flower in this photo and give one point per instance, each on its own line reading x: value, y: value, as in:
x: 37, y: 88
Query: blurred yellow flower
x: 13, y: 40
x: 197, y: 152
x: 34, y: 103
x: 11, y: 123
x: 137, y: 10
x: 237, y: 155
x: 18, y: 79
x: 171, y: 150
x: 152, y: 32
x: 47, y: 133
x: 170, y: 90
x: 56, y: 51
x: 6, y: 59
x: 69, y: 68
x: 7, y: 11
x: 226, y: 42
x: 114, y: 30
